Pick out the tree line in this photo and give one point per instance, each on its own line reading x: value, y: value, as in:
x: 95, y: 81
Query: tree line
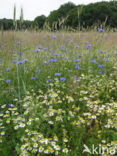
x: 69, y: 16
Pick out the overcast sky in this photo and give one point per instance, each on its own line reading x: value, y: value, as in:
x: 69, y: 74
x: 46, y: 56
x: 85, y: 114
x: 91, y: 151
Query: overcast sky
x: 34, y: 8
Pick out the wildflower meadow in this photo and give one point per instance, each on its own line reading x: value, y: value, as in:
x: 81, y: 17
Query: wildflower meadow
x: 58, y: 93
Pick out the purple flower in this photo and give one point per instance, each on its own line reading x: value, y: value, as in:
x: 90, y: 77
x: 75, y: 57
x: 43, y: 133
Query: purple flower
x: 10, y: 105
x: 52, y: 60
x: 51, y: 50
x: 13, y: 54
x: 8, y: 81
x: 25, y: 60
x: 54, y: 37
x: 88, y: 46
x: 63, y: 47
x: 100, y: 66
x: 18, y: 43
x: 76, y: 46
x: 62, y: 79
x: 77, y: 66
x: 100, y: 72
x: 100, y: 51
x: 85, y: 41
x: 70, y: 71
x: 106, y: 37
x: 20, y: 62
x: 49, y: 80
x: 93, y: 61
x: 45, y: 48
x: 57, y: 74
x: 36, y: 71
x: 106, y: 59
x: 14, y: 61
x: 56, y: 54
x: 21, y: 53
x: 76, y: 60
x: 33, y: 78
x: 79, y: 55
x: 100, y: 29
x: 37, y: 50
x: 46, y: 62
x: 7, y: 69
x: 38, y: 47
x: 76, y: 79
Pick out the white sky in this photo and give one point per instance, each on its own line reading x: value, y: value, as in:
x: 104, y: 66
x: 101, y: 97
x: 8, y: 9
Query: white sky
x: 34, y: 8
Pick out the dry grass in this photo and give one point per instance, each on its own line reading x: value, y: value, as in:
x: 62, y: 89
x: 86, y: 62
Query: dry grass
x: 36, y: 38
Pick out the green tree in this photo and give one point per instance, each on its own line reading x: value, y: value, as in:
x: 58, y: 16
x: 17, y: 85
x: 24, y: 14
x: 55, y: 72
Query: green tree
x: 59, y: 16
x: 95, y: 13
x: 39, y: 21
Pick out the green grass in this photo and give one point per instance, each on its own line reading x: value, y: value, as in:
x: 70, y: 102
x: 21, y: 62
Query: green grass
x: 59, y: 116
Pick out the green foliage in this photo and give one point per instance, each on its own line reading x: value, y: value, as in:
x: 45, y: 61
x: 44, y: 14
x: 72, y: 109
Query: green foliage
x: 60, y: 14
x: 57, y: 116
x: 73, y: 17
x: 39, y: 22
x: 21, y: 18
x: 14, y: 18
x: 6, y: 23
x: 99, y: 14
x: 96, y: 14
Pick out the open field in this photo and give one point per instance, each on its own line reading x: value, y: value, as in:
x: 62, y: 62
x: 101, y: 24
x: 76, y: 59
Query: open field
x: 58, y: 93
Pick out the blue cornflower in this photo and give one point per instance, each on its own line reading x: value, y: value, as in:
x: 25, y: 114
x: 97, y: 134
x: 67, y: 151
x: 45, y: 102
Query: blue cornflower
x: 9, y: 105
x: 18, y: 43
x: 38, y: 47
x: 49, y: 80
x: 100, y: 72
x: 63, y: 47
x: 21, y: 53
x: 88, y: 46
x: 57, y: 74
x: 106, y: 59
x: 62, y: 79
x: 36, y: 71
x: 85, y: 41
x: 13, y: 54
x: 52, y: 60
x: 56, y: 54
x: 25, y: 60
x: 54, y: 37
x: 80, y: 55
x: 77, y: 66
x: 7, y: 69
x: 33, y: 78
x: 93, y: 61
x: 77, y: 60
x: 101, y: 51
x: 37, y: 50
x: 100, y: 29
x: 76, y: 79
x: 45, y: 48
x: 70, y: 71
x: 76, y: 46
x: 106, y: 37
x: 14, y: 61
x: 100, y: 66
x: 51, y: 50
x: 20, y: 62
x: 8, y: 81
